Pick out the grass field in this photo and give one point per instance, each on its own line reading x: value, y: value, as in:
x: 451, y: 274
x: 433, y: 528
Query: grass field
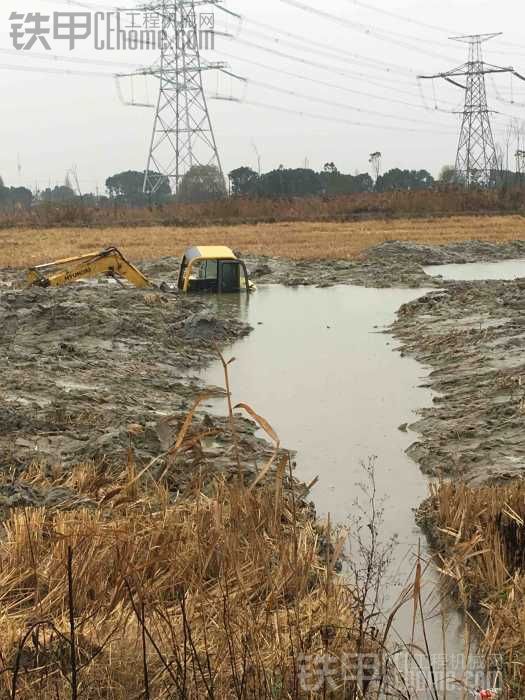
x: 308, y: 240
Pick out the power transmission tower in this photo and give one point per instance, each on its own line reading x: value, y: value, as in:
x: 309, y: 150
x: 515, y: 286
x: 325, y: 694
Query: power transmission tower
x: 182, y: 131
x: 476, y: 158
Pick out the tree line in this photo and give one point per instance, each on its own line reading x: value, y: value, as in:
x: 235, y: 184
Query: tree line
x: 206, y: 183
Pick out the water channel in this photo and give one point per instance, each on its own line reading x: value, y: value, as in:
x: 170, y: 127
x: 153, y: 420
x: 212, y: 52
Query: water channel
x: 321, y: 367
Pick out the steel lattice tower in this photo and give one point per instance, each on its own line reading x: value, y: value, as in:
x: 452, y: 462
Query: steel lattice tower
x: 476, y: 158
x: 182, y: 131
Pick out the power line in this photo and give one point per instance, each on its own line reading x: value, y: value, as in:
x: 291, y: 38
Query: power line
x: 55, y: 71
x: 344, y: 56
x: 425, y: 25
x: 68, y: 59
x: 326, y: 118
x: 381, y: 34
x: 325, y: 67
x: 339, y: 53
x: 395, y: 15
x: 324, y: 83
x: 331, y: 103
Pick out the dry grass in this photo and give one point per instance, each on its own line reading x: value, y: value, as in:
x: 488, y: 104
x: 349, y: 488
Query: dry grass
x: 242, y: 210
x: 480, y: 537
x: 304, y: 240
x: 211, y: 597
x: 124, y: 591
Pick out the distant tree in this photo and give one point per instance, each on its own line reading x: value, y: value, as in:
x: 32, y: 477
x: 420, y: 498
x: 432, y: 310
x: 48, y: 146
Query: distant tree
x: 299, y: 182
x: 330, y: 169
x: 243, y: 181
x: 397, y: 179
x: 505, y: 179
x: 128, y: 188
x: 21, y: 196
x: 15, y: 197
x: 447, y: 175
x: 362, y: 183
x: 58, y: 194
x: 202, y: 183
x: 1, y: 182
x: 335, y: 183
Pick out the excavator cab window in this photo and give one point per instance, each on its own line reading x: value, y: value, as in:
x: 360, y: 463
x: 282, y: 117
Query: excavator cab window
x: 229, y: 276
x: 208, y: 269
x: 204, y: 277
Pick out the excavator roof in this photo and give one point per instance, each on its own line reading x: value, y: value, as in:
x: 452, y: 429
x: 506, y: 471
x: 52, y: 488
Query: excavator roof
x: 210, y: 252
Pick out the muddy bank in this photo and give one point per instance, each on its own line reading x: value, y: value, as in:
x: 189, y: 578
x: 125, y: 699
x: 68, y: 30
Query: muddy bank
x: 392, y: 264
x: 472, y: 336
x: 90, y: 369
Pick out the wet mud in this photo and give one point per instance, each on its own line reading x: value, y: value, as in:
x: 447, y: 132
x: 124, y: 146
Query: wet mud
x: 472, y: 337
x: 92, y: 370
x: 391, y: 264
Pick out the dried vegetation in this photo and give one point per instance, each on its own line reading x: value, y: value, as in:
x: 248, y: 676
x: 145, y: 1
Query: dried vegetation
x: 126, y: 590
x: 480, y: 536
x: 21, y: 247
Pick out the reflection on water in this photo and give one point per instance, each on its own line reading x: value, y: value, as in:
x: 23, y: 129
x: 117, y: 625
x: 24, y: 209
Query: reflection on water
x: 320, y: 369
x: 503, y: 270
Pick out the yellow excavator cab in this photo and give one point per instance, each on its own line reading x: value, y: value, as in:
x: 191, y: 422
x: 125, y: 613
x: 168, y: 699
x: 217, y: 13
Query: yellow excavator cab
x: 213, y: 269
x: 108, y: 262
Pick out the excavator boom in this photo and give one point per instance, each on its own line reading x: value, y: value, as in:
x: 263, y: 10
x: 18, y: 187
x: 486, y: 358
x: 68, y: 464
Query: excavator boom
x: 109, y: 262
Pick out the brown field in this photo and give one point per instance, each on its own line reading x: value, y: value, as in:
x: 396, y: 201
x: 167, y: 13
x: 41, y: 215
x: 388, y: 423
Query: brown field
x: 299, y: 240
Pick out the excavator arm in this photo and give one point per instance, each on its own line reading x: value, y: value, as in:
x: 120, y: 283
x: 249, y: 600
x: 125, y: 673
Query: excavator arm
x: 108, y: 262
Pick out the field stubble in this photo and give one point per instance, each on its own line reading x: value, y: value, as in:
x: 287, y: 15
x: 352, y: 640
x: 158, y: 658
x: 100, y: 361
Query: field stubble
x: 22, y: 247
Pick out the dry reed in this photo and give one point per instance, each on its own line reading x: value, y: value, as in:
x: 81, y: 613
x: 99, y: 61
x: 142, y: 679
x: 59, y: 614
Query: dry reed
x: 211, y: 596
x: 233, y: 211
x: 480, y: 537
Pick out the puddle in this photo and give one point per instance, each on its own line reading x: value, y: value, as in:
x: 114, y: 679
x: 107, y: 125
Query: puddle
x: 319, y: 368
x: 503, y: 270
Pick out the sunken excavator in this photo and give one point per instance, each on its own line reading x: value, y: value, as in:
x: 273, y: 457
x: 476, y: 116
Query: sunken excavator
x: 212, y: 269
x: 109, y: 262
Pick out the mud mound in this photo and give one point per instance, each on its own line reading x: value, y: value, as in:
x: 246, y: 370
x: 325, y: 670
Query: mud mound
x: 458, y: 253
x: 473, y: 337
x: 81, y: 363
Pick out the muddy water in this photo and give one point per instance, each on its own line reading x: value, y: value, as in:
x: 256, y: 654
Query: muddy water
x: 321, y: 369
x: 503, y: 270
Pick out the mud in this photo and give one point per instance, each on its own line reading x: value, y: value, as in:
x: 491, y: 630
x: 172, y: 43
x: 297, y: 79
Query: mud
x: 391, y: 264
x: 472, y: 335
x: 82, y: 364
x: 92, y: 369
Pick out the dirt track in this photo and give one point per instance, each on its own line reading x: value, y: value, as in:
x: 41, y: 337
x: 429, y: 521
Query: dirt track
x: 92, y: 368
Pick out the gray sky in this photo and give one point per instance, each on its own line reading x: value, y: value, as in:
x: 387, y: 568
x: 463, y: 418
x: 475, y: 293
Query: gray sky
x: 52, y: 122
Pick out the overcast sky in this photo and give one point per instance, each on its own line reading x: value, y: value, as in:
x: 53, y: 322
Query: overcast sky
x: 52, y: 122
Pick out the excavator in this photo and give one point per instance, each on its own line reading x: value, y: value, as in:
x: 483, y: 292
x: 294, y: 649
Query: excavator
x: 204, y: 269
x: 109, y: 262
